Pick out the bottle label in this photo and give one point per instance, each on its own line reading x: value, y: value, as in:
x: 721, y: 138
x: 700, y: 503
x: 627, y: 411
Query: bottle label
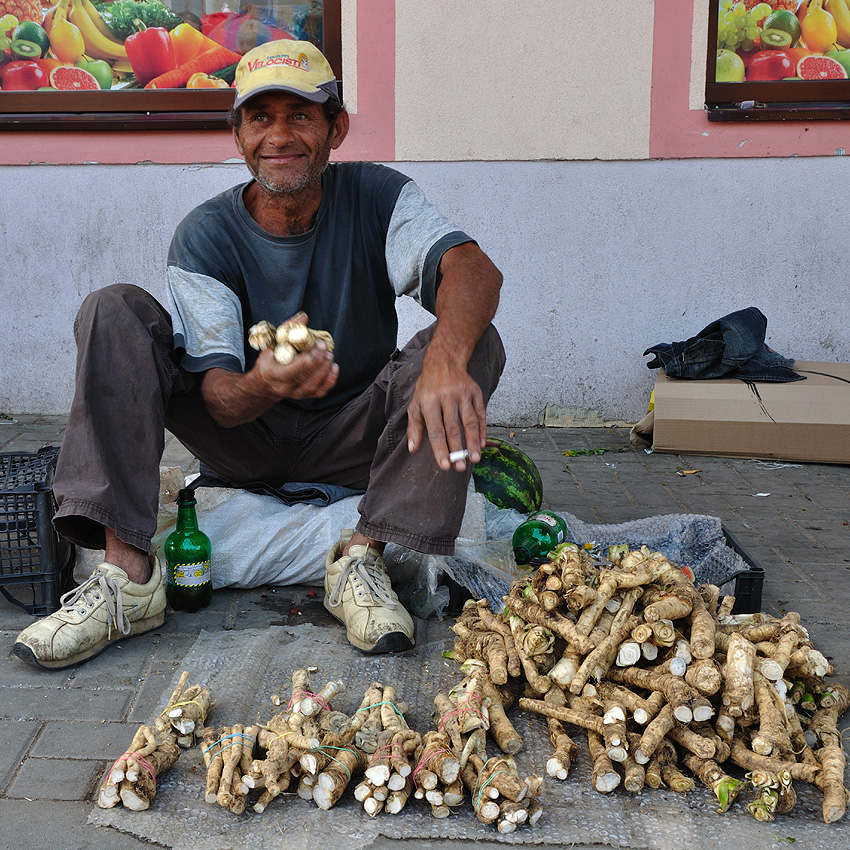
x: 549, y: 520
x: 191, y: 575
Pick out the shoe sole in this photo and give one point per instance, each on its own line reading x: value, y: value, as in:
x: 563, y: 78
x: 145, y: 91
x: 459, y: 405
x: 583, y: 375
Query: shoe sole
x: 392, y: 642
x: 139, y: 627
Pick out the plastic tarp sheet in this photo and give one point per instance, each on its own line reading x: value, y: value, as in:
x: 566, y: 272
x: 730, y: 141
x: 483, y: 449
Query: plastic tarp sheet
x: 244, y: 668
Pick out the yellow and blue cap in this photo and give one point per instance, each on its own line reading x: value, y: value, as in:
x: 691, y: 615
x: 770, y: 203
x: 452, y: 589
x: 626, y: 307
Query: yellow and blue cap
x: 294, y: 66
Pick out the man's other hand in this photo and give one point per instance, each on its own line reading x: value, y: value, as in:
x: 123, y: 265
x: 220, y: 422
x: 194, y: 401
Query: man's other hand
x: 447, y: 405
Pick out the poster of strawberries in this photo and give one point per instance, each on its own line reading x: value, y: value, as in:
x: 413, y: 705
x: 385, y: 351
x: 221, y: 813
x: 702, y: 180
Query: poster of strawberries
x: 114, y: 45
x: 772, y: 40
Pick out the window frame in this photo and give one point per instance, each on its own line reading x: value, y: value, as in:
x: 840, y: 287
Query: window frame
x: 778, y: 100
x: 137, y: 109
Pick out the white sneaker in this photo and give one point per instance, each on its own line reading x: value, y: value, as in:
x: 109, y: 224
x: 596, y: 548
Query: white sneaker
x: 358, y: 592
x: 106, y: 608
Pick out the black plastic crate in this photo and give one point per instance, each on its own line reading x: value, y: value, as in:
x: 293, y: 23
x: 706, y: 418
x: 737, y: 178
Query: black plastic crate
x: 36, y: 565
x: 749, y: 582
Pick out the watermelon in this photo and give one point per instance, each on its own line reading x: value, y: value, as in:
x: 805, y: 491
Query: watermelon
x: 508, y: 478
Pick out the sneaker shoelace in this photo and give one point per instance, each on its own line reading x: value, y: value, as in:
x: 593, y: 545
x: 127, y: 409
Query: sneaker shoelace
x: 373, y: 575
x: 85, y: 596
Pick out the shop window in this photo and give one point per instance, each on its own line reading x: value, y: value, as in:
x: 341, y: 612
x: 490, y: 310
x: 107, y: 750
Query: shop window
x: 140, y: 64
x: 780, y: 59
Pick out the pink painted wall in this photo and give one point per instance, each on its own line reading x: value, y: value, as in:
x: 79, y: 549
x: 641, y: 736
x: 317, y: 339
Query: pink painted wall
x: 372, y: 135
x: 677, y: 131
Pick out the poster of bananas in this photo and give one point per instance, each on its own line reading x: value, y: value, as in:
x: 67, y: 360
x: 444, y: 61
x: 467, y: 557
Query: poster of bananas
x: 114, y: 45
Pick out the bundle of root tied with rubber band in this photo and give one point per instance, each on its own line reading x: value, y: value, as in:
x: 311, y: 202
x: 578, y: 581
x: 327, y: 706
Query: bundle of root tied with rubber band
x: 314, y: 751
x: 668, y: 685
x: 287, y: 340
x: 132, y: 779
x: 455, y: 758
x: 388, y: 744
x: 288, y: 752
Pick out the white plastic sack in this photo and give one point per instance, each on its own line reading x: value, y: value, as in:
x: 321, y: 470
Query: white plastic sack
x: 258, y: 540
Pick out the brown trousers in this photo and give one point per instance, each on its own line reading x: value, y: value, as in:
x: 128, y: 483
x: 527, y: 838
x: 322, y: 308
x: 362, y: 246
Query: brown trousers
x: 130, y: 388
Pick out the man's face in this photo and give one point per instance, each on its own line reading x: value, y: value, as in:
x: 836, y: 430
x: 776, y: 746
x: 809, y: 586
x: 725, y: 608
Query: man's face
x: 286, y: 141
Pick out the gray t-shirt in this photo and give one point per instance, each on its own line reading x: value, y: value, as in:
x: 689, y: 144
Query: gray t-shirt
x: 375, y: 238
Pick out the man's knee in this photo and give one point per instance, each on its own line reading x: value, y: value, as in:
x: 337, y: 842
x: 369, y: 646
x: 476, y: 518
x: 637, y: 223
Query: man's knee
x: 115, y: 303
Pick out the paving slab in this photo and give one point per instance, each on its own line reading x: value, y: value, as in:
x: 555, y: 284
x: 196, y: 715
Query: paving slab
x: 16, y: 738
x: 38, y: 825
x: 56, y: 703
x: 83, y: 739
x: 55, y: 779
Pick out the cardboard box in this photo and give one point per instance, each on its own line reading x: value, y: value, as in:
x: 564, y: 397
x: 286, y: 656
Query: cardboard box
x: 799, y: 421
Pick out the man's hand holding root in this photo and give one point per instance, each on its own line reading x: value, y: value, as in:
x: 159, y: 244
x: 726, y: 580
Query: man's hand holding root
x: 234, y: 398
x: 311, y: 374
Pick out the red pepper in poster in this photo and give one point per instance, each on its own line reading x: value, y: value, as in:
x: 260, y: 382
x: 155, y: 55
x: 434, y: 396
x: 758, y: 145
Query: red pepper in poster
x: 769, y: 65
x: 150, y: 52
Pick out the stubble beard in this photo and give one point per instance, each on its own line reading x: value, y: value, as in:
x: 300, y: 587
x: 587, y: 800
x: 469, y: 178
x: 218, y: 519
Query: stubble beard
x: 297, y: 184
x: 294, y: 186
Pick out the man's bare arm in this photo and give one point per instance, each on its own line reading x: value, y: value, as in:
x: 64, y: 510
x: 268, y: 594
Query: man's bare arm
x: 447, y: 403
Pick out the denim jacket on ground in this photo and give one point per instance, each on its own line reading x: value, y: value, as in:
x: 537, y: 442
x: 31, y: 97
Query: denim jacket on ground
x: 731, y: 347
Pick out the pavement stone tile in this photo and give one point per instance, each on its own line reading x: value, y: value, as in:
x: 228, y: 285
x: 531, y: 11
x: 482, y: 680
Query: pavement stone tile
x: 55, y: 779
x: 46, y: 703
x: 12, y: 617
x: 17, y: 673
x: 283, y: 606
x: 829, y: 538
x: 83, y: 740
x: 567, y: 438
x: 612, y: 513
x: 828, y: 578
x: 166, y: 653
x: 767, y: 519
x: 777, y: 570
x: 785, y: 591
x: 732, y: 494
x: 805, y: 556
x: 28, y: 443
x: 656, y: 500
x: 15, y: 739
x: 774, y: 481
x: 603, y: 488
x: 9, y: 435
x: 121, y: 667
x: 63, y: 825
x: 709, y: 506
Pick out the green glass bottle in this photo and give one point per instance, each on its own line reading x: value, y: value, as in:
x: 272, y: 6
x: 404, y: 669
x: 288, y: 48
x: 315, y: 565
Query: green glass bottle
x: 187, y: 558
x: 537, y: 536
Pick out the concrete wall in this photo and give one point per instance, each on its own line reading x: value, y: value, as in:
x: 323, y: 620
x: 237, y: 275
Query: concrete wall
x: 601, y: 260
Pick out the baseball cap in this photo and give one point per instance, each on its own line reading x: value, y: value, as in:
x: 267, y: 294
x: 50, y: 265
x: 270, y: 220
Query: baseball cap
x: 294, y: 66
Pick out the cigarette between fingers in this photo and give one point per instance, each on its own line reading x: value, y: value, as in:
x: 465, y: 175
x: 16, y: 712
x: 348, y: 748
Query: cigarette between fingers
x: 463, y: 454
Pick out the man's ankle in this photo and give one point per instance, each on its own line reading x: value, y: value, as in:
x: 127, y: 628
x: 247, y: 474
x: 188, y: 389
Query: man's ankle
x: 358, y: 539
x: 134, y: 562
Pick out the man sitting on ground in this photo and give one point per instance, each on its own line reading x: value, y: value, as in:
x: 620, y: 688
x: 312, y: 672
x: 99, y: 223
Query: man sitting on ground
x: 333, y: 245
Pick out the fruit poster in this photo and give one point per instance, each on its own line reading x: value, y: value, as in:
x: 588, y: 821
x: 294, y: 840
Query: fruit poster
x: 773, y: 40
x: 92, y: 45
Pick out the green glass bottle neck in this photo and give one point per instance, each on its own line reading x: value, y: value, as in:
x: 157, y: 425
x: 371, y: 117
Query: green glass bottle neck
x: 187, y: 518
